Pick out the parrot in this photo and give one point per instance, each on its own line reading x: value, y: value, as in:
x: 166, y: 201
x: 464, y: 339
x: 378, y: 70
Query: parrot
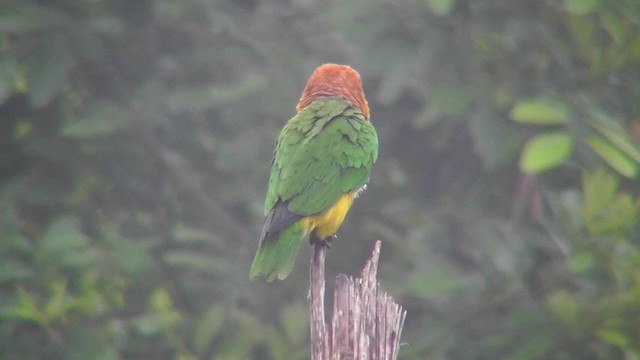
x: 322, y: 162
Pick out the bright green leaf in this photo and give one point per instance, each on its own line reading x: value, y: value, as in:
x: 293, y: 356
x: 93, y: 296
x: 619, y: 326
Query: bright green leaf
x: 545, y: 152
x: 614, y: 157
x: 540, y: 112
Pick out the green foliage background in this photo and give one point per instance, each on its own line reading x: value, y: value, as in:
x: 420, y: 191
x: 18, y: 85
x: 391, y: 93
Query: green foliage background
x: 136, y: 138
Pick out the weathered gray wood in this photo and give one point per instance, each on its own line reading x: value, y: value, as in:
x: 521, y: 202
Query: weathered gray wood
x: 319, y: 343
x: 366, y: 322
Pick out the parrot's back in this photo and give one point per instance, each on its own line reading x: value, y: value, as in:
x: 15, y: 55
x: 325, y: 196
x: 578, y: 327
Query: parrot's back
x: 323, y: 158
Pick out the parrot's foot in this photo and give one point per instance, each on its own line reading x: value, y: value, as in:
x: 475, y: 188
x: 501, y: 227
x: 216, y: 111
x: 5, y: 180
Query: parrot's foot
x: 314, y: 239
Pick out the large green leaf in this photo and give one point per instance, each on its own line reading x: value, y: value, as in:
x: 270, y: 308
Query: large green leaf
x: 545, y: 152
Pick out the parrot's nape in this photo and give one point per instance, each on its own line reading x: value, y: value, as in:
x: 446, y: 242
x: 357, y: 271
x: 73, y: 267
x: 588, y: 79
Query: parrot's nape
x: 323, y: 158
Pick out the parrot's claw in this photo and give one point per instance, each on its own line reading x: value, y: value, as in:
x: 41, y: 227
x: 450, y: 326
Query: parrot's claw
x: 313, y: 239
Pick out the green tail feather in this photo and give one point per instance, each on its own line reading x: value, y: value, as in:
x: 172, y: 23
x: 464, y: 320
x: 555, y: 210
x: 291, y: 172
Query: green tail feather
x: 277, y: 255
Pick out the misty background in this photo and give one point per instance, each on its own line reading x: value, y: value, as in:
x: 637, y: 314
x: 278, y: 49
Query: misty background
x: 136, y: 139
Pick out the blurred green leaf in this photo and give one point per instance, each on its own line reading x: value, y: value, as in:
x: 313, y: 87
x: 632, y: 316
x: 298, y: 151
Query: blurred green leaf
x: 494, y: 139
x: 151, y: 324
x: 581, y: 7
x: 47, y: 70
x: 441, y: 7
x: 161, y: 301
x: 614, y: 157
x: 63, y: 244
x: 189, y: 259
x: 194, y: 99
x: 294, y: 321
x: 616, y: 26
x: 12, y: 270
x: 13, y: 240
x: 162, y: 316
x: 614, y: 337
x: 27, y: 309
x: 132, y: 256
x: 540, y: 112
x: 545, y: 152
x: 12, y: 78
x: 24, y: 16
x: 239, y: 346
x: 59, y: 302
x: 581, y: 262
x: 599, y: 188
x: 396, y: 56
x: 103, y: 119
x: 209, y: 327
x: 616, y: 135
x: 564, y: 307
x: 444, y: 102
x: 437, y: 282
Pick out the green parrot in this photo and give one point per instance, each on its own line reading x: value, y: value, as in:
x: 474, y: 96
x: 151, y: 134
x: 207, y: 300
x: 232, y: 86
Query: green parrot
x: 323, y: 159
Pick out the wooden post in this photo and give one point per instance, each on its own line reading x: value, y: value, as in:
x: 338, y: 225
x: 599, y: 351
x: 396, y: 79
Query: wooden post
x: 319, y: 338
x: 366, y: 322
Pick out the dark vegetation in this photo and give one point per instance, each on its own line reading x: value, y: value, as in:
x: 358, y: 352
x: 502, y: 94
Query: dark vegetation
x: 136, y: 138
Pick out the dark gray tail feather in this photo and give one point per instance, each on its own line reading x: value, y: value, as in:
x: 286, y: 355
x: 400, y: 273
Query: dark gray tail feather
x: 277, y: 220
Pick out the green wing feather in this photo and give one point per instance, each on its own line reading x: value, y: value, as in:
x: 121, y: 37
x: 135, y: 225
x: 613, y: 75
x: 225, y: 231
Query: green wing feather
x: 324, y: 151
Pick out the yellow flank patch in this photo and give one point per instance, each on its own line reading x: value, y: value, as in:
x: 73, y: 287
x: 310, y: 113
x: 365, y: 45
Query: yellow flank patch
x: 327, y: 222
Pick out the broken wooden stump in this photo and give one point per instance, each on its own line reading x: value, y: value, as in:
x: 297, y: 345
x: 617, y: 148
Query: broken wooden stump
x: 366, y: 322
